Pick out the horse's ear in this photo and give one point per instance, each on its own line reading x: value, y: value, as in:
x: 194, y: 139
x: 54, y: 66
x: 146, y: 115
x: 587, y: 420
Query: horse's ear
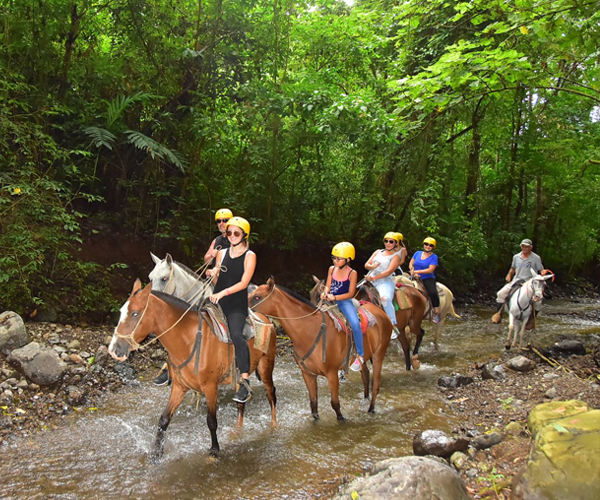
x: 155, y: 258
x: 146, y: 291
x: 271, y: 282
x: 169, y: 259
x: 136, y: 286
x: 315, y: 279
x: 533, y: 273
x: 549, y: 276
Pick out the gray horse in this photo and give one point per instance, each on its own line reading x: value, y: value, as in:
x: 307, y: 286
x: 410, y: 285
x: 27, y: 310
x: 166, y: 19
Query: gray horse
x: 172, y: 277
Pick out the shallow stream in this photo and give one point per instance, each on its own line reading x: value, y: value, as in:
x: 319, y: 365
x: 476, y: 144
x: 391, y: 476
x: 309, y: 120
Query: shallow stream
x: 103, y: 454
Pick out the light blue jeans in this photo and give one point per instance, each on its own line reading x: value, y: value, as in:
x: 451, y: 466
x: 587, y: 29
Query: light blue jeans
x: 387, y: 289
x: 348, y: 310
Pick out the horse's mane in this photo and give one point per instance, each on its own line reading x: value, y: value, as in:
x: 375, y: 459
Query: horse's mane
x: 297, y: 296
x: 186, y: 269
x: 172, y: 300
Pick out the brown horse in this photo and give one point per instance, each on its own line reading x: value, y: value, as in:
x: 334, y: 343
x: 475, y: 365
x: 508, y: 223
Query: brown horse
x: 198, y: 360
x: 319, y: 348
x: 410, y: 318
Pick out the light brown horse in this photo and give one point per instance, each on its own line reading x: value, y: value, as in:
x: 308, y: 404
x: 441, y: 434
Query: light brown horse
x: 198, y: 360
x: 446, y: 305
x: 319, y: 348
x: 410, y: 318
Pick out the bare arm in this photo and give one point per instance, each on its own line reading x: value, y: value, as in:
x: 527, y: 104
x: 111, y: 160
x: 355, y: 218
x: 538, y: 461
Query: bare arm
x: 325, y: 292
x: 403, y: 254
x: 411, y: 265
x: 429, y: 270
x: 511, y: 273
x: 369, y: 264
x: 214, y: 272
x: 249, y: 267
x: 211, y: 253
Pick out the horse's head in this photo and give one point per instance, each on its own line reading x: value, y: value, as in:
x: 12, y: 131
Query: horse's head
x: 315, y: 293
x: 261, y: 293
x: 538, y: 283
x: 162, y: 274
x: 127, y: 336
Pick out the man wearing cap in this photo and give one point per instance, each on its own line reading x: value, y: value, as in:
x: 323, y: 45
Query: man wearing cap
x: 519, y: 272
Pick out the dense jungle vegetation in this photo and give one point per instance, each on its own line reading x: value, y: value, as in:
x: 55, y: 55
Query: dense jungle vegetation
x: 474, y: 122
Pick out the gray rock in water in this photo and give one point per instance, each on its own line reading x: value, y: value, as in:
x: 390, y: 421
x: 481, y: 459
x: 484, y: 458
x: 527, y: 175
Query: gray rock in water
x: 454, y: 381
x: 492, y: 371
x: 438, y: 443
x: 486, y: 440
x: 125, y: 371
x: 101, y: 355
x: 407, y: 478
x: 570, y: 347
x: 13, y: 334
x: 520, y: 364
x: 39, y: 364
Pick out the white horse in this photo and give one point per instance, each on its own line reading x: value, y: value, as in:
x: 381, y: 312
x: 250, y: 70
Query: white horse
x: 446, y: 306
x: 176, y: 279
x: 521, y: 305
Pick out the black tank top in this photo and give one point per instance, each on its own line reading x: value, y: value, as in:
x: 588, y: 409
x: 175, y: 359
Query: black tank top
x: 222, y: 242
x: 232, y: 274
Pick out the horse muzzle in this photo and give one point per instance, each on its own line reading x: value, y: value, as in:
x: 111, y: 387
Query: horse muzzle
x: 119, y: 348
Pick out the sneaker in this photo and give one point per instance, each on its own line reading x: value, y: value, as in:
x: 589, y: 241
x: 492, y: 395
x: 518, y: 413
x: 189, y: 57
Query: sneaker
x: 436, y: 318
x: 163, y: 378
x: 394, y: 333
x: 244, y: 393
x: 355, y: 367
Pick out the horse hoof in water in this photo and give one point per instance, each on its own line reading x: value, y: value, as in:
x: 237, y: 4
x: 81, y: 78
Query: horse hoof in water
x: 214, y: 453
x: 507, y: 347
x: 416, y: 364
x: 315, y: 416
x: 342, y: 419
x: 155, y: 456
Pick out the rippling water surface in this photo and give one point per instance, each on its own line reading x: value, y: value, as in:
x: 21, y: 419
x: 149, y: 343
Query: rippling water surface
x: 103, y: 455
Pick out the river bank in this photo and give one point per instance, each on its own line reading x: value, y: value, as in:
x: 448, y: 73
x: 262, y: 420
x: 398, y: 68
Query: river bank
x: 29, y: 411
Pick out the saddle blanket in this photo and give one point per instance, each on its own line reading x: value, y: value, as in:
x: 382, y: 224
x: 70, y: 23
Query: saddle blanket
x: 365, y: 317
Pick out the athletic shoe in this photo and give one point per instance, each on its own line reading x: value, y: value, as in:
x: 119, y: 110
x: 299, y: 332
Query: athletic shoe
x: 394, y: 333
x: 355, y: 367
x: 436, y: 318
x: 244, y: 393
x: 162, y: 379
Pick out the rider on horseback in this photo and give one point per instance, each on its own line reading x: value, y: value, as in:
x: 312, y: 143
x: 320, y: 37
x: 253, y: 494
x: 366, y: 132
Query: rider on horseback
x: 340, y: 287
x: 220, y: 242
x: 381, y: 266
x: 520, y: 271
x: 424, y: 264
x: 233, y: 273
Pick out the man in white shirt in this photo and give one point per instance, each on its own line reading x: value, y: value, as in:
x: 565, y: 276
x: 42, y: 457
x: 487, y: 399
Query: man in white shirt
x: 520, y: 271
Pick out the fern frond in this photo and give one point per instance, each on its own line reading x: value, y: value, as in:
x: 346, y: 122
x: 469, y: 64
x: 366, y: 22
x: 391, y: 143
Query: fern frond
x: 119, y: 104
x: 155, y: 149
x: 100, y: 137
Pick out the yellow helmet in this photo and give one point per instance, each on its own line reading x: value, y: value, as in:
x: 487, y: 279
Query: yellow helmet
x: 392, y: 236
x: 223, y: 213
x: 430, y: 240
x: 344, y: 250
x: 400, y: 237
x: 240, y: 222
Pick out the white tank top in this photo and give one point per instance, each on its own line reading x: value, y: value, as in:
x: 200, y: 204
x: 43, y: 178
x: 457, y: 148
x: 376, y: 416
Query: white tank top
x: 383, y: 264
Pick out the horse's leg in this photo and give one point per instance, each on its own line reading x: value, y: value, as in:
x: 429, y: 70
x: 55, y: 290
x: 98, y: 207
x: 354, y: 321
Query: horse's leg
x: 365, y: 374
x: 265, y: 370
x: 522, y: 331
x: 438, y: 330
x: 211, y: 416
x: 378, y: 357
x: 240, y: 417
x: 405, y: 347
x: 511, y: 327
x: 334, y: 386
x: 177, y: 394
x: 311, y: 385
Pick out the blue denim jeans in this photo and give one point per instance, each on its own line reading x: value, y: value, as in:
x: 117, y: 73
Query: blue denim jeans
x: 348, y: 310
x: 386, y: 289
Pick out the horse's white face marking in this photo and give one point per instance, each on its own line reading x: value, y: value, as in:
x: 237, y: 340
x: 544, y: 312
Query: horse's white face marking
x: 124, y: 310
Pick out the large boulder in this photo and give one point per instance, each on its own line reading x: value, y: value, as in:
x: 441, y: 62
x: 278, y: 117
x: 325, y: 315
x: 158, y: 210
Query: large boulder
x: 41, y: 365
x: 520, y: 364
x: 438, y: 443
x: 565, y: 459
x: 12, y: 332
x: 407, y: 478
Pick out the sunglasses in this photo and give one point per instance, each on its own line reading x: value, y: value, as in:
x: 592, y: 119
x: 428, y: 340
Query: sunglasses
x: 237, y: 234
x: 389, y: 241
x: 337, y: 258
x: 219, y: 221
x: 427, y: 245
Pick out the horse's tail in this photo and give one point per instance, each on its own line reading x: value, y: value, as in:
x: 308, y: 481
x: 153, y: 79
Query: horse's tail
x: 258, y: 375
x: 452, y: 312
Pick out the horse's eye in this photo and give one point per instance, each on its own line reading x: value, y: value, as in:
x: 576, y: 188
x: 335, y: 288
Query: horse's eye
x: 135, y: 314
x: 164, y: 279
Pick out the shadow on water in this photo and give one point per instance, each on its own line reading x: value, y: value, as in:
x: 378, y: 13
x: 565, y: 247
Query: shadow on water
x: 103, y: 455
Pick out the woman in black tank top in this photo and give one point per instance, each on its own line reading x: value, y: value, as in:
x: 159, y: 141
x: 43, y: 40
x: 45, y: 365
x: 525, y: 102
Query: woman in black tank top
x: 233, y: 273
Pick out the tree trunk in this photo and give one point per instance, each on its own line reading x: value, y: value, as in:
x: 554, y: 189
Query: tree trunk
x: 69, y: 45
x: 516, y: 131
x: 539, y: 210
x: 473, y: 163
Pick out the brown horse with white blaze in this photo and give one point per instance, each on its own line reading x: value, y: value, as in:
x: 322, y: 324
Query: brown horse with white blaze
x: 198, y: 360
x: 319, y: 348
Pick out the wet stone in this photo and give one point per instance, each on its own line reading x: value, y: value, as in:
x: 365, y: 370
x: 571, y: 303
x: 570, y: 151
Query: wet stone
x: 520, y: 364
x: 486, y: 440
x: 454, y: 381
x: 59, y: 349
x: 438, y: 443
x: 53, y: 338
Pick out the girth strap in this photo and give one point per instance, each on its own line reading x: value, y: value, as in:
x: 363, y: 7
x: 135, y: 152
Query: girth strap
x: 195, y: 355
x: 322, y: 333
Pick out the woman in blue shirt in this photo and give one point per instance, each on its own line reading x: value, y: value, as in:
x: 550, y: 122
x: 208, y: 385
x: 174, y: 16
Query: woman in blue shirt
x: 424, y: 264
